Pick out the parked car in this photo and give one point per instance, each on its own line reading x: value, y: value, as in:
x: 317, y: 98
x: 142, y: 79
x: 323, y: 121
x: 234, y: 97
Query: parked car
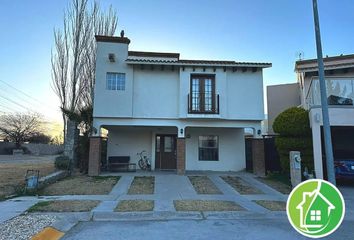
x: 344, y: 169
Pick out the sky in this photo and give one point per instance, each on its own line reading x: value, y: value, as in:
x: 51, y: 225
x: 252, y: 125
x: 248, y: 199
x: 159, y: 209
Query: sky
x: 273, y: 31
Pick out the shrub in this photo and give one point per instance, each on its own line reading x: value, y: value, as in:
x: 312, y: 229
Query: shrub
x: 293, y: 126
x: 287, y: 144
x: 293, y: 122
x: 39, y: 138
x: 62, y: 162
x: 9, y: 150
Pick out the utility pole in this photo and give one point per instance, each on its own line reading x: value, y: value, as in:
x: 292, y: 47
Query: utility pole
x: 324, y: 103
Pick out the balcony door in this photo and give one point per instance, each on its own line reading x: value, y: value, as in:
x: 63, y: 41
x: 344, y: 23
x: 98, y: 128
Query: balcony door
x: 202, y: 94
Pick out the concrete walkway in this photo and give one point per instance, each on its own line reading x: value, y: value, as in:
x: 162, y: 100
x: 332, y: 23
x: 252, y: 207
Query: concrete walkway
x: 168, y: 187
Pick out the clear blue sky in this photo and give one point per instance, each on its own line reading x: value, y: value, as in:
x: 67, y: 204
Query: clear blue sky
x: 242, y: 30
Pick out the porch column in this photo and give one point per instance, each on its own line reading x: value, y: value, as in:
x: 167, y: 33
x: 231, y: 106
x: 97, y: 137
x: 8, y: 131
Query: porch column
x: 181, y: 156
x: 317, y: 150
x: 258, y: 160
x: 94, y: 165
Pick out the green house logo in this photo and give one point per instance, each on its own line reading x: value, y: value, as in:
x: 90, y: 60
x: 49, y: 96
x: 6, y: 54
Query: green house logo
x: 315, y: 208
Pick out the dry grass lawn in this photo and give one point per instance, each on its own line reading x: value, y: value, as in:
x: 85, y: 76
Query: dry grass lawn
x: 240, y: 185
x: 135, y: 206
x: 64, y: 206
x: 277, y: 185
x: 203, y: 185
x: 142, y: 185
x: 12, y: 175
x: 81, y: 185
x: 206, y: 205
x: 272, y: 205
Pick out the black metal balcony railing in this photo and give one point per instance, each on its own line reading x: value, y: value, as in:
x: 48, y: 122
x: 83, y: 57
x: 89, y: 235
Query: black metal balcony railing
x: 202, y: 103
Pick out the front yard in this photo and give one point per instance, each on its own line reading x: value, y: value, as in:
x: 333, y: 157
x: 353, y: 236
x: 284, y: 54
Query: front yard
x: 81, y: 185
x: 64, y: 206
x: 13, y: 170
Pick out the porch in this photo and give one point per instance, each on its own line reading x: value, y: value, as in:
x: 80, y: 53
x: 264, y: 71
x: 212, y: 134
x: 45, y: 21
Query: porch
x: 201, y: 148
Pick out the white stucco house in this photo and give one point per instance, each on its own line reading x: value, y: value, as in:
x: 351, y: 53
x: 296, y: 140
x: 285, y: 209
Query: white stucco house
x: 339, y: 77
x: 186, y: 114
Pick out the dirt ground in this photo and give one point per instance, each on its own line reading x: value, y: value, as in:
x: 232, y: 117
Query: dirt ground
x: 142, y: 185
x: 206, y: 205
x: 13, y: 170
x: 203, y: 185
x: 272, y: 205
x: 277, y: 185
x: 64, y: 206
x: 241, y: 186
x: 81, y: 185
x: 135, y: 206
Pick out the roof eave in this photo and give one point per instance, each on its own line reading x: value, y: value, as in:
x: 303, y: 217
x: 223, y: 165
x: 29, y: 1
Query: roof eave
x: 258, y: 65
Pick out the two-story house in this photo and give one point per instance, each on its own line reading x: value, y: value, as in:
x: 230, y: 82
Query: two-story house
x: 186, y: 114
x: 339, y: 78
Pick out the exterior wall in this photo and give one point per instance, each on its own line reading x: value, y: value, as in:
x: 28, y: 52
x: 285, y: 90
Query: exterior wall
x: 110, y: 103
x: 337, y: 117
x: 280, y: 98
x: 231, y: 150
x: 244, y: 94
x: 128, y: 142
x: 155, y: 93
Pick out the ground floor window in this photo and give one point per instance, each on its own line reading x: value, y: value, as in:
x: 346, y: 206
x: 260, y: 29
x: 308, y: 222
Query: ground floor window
x: 208, y: 148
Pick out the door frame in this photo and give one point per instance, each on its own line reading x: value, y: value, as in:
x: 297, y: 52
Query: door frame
x: 158, y: 157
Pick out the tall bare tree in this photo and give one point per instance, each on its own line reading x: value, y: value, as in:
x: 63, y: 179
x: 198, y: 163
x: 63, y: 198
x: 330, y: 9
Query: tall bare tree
x: 19, y: 127
x: 74, y: 55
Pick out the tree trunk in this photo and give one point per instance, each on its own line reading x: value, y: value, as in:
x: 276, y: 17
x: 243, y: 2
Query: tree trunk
x: 71, y: 142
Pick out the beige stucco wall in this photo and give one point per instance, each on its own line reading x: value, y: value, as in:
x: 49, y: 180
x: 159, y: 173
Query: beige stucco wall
x: 280, y: 98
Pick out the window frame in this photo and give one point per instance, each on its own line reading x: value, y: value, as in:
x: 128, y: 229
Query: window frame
x: 216, y: 148
x: 202, y: 94
x: 115, y: 81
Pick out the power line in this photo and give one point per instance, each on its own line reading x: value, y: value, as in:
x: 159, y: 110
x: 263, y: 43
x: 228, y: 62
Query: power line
x: 11, y: 109
x: 8, y: 99
x: 27, y: 95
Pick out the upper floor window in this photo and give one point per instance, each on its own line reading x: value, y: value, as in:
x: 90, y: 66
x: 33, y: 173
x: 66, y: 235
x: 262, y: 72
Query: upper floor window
x: 202, y: 97
x: 115, y: 81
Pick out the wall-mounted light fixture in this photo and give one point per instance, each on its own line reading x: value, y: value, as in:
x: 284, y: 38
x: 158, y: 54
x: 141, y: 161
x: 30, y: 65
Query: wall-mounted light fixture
x: 181, y: 131
x: 111, y: 57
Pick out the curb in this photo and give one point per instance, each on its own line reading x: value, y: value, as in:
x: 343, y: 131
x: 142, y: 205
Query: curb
x: 48, y: 233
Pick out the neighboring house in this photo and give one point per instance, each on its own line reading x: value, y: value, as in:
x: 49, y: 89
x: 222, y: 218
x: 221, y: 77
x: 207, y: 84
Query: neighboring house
x: 339, y: 78
x: 187, y: 114
x: 279, y: 98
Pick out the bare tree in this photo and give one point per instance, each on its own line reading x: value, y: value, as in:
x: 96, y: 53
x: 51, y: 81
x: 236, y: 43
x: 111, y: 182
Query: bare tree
x: 74, y: 56
x: 19, y: 127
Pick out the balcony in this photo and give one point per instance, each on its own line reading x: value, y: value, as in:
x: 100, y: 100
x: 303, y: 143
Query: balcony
x: 340, y: 92
x: 203, y: 103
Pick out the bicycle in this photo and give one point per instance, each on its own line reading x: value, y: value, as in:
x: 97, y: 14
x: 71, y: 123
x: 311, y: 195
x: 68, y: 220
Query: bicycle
x: 144, y: 162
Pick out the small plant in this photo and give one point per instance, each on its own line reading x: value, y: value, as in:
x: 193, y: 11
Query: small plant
x: 38, y: 206
x: 62, y: 162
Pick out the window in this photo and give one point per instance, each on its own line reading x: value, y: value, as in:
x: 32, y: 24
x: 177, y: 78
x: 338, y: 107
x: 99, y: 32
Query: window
x: 202, y: 94
x: 208, y: 148
x: 115, y: 81
x: 315, y: 215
